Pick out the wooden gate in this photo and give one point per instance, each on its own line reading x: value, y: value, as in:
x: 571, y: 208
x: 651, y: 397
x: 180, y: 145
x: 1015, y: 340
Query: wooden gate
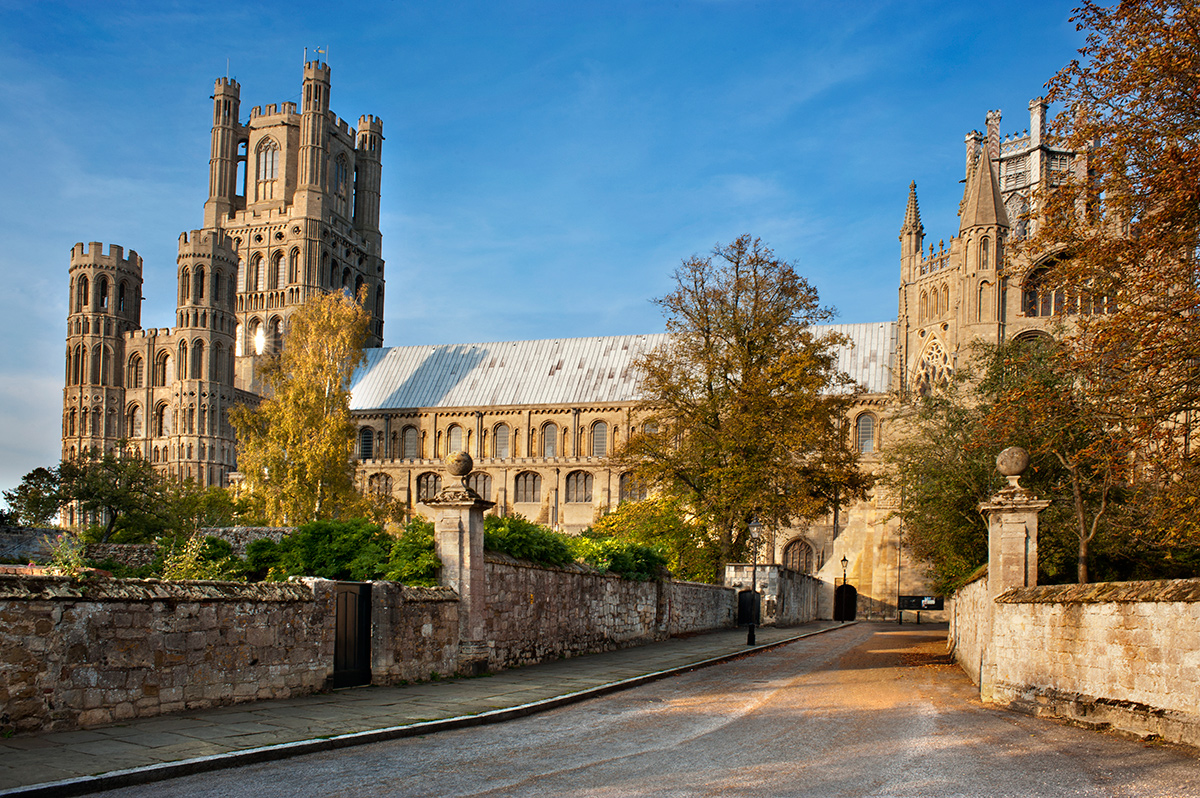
x: 748, y: 608
x: 352, y: 641
x: 845, y: 603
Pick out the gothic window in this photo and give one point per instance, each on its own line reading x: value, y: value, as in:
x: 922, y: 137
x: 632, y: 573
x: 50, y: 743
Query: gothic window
x: 238, y: 346
x: 163, y: 373
x: 102, y: 292
x: 500, y: 442
x: 987, y: 302
x: 411, y: 444
x: 162, y: 420
x: 79, y: 365
x: 481, y: 483
x: 528, y: 487
x: 268, y: 169
x: 81, y: 295
x: 600, y: 439
x: 134, y: 425
x: 380, y: 484
x: 97, y: 365
x: 864, y: 433
x: 366, y: 443
x: 454, y: 439
x: 217, y: 287
x: 549, y: 441
x: 984, y: 251
x: 934, y: 368
x: 579, y: 486
x: 379, y: 301
x: 798, y: 556
x: 358, y: 284
x: 197, y: 359
x: 341, y: 184
x: 258, y: 337
x: 275, y: 335
x: 945, y: 299
x: 428, y: 486
x: 95, y: 421
x: 933, y: 304
x: 217, y: 361
x: 183, y: 360
x: 274, y: 271
x: 185, y: 286
x: 198, y: 282
x: 293, y: 267
x: 632, y: 488
x: 253, y: 274
x: 923, y: 312
x: 71, y: 422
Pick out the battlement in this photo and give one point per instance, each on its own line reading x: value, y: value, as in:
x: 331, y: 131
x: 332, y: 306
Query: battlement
x: 226, y: 86
x: 316, y: 70
x: 370, y: 123
x: 205, y: 243
x: 153, y: 332
x: 92, y: 254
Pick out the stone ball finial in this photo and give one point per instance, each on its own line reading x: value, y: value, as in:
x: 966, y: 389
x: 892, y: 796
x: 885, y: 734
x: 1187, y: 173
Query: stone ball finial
x: 1012, y: 462
x: 459, y: 464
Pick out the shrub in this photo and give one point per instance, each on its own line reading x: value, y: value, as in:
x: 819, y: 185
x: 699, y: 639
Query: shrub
x: 624, y: 558
x: 413, y: 560
x: 518, y: 537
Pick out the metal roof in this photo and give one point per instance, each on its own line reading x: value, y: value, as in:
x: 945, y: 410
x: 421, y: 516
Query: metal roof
x: 567, y: 371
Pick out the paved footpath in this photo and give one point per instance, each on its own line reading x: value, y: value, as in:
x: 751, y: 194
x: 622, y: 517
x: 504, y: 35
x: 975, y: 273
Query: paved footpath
x: 165, y: 746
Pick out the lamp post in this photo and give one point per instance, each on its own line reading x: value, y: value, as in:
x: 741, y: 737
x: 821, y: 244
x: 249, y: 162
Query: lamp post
x: 845, y: 565
x: 755, y: 532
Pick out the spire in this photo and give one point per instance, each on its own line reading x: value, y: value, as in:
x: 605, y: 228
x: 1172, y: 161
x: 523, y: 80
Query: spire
x: 982, y: 205
x: 912, y: 214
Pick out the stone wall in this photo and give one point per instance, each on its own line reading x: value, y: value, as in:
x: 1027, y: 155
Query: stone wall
x: 80, y: 654
x: 536, y: 613
x: 26, y: 543
x: 788, y: 597
x: 1124, y: 655
x: 414, y: 632
x: 241, y: 536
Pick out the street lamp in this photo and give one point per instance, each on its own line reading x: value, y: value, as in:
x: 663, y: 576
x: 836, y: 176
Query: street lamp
x: 755, y: 532
x: 845, y: 565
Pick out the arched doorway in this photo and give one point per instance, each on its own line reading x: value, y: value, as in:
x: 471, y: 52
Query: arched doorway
x: 845, y: 603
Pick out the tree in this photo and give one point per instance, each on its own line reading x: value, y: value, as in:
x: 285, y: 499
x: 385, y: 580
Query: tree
x: 295, y: 448
x: 1128, y: 225
x: 745, y: 403
x: 37, y: 499
x: 110, y: 486
x: 660, y: 522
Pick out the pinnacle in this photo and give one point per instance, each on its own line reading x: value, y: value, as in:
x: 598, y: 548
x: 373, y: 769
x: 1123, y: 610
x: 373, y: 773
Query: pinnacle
x: 912, y: 214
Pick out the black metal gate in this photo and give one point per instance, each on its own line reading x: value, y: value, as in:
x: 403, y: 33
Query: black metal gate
x: 845, y: 603
x: 352, y: 641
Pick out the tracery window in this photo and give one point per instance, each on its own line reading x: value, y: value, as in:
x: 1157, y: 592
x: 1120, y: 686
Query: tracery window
x: 528, y: 487
x: 798, y: 556
x: 579, y: 486
x: 934, y: 368
x: 429, y: 485
x: 632, y: 488
x: 481, y: 483
x: 379, y: 484
x: 268, y: 169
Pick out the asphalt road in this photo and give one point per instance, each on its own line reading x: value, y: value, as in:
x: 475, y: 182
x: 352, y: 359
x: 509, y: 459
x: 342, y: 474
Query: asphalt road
x: 871, y: 710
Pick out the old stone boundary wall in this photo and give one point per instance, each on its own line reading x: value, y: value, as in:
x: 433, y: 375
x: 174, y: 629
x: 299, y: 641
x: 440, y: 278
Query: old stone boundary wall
x: 1124, y: 655
x: 86, y: 653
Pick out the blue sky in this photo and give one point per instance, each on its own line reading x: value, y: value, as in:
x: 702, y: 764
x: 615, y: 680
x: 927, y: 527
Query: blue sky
x: 546, y: 164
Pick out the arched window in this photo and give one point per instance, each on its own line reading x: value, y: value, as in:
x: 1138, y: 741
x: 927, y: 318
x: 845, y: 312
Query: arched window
x: 985, y: 254
x: 428, y: 486
x: 273, y: 275
x: 293, y: 267
x: 198, y: 286
x: 164, y: 374
x: 216, y: 363
x: 162, y: 420
x: 358, y: 285
x: 81, y: 294
x: 254, y: 273
x: 632, y: 488
x: 185, y: 285
x: 379, y: 484
x: 528, y: 488
x: 579, y: 486
x: 121, y: 292
x: 411, y: 443
x: 864, y: 433
x: 258, y: 337
x: 600, y: 439
x: 197, y: 359
x: 78, y: 365
x: 481, y: 483
x: 183, y: 360
x: 133, y: 424
x: 97, y: 363
x: 500, y: 442
x: 102, y: 293
x: 267, y: 170
x: 798, y: 556
x: 71, y: 422
x: 454, y: 439
x: 218, y: 278
x: 366, y: 443
x: 945, y: 299
x: 933, y: 369
x: 549, y: 441
x: 275, y: 335
x: 239, y: 347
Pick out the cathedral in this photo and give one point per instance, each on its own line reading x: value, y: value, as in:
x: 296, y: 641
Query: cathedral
x: 293, y: 210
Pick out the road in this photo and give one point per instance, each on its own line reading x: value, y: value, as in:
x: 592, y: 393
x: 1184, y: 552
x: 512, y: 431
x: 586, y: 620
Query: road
x: 870, y: 710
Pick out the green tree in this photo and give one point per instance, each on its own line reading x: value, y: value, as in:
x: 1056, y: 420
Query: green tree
x: 37, y: 499
x: 746, y: 402
x: 110, y: 487
x: 295, y: 448
x: 660, y: 522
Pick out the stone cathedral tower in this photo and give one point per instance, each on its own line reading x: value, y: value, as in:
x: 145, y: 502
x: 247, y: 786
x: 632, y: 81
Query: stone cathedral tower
x: 292, y: 211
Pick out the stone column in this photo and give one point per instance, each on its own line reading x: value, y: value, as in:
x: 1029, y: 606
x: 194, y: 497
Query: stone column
x: 1012, y: 516
x: 458, y: 538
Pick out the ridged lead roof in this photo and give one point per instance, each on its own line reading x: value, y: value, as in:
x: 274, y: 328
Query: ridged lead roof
x: 558, y: 371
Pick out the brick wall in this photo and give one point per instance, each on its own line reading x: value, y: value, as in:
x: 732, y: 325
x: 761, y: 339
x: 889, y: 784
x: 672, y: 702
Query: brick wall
x: 1121, y: 654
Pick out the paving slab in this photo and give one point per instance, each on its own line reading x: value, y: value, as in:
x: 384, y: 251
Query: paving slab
x: 151, y: 749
